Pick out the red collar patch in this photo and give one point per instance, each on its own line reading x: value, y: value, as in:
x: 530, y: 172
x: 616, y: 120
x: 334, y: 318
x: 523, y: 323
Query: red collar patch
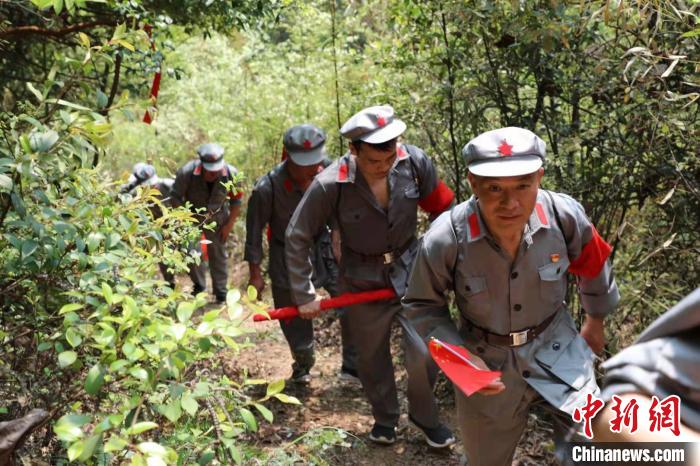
x: 288, y: 185
x: 343, y: 172
x: 541, y: 214
x: 197, y: 170
x: 401, y: 153
x: 474, y: 228
x: 505, y: 149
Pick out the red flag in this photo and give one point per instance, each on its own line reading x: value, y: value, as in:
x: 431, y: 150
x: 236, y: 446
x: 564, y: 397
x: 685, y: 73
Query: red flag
x: 205, y: 251
x: 345, y: 299
x: 456, y: 363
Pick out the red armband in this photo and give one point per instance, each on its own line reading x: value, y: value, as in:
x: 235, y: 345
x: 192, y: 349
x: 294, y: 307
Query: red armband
x: 592, y: 258
x: 439, y: 200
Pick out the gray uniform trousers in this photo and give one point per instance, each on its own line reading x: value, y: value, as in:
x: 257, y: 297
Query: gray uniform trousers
x: 299, y: 332
x: 490, y: 434
x: 216, y: 250
x: 370, y: 327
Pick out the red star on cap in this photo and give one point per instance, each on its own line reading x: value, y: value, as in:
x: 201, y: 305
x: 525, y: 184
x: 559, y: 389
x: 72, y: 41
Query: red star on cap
x: 380, y: 120
x: 307, y: 144
x: 505, y: 148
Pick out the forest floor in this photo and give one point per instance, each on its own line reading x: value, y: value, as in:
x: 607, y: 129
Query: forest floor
x: 328, y: 405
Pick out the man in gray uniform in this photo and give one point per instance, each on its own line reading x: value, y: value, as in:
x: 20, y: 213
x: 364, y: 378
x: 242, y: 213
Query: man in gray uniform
x: 272, y: 202
x: 505, y: 253
x: 664, y: 361
x: 202, y: 183
x: 144, y: 174
x: 372, y: 195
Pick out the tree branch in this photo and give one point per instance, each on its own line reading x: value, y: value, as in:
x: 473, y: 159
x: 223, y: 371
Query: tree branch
x: 21, y: 31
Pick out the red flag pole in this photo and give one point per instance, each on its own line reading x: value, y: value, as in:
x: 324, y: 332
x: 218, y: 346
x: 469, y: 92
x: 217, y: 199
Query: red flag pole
x: 345, y: 299
x: 155, y: 87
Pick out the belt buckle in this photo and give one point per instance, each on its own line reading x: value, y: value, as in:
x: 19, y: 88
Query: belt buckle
x: 518, y: 338
x: 388, y: 259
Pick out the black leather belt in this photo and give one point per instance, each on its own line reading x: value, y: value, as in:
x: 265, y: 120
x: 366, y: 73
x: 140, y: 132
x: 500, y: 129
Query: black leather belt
x: 513, y: 338
x: 387, y: 257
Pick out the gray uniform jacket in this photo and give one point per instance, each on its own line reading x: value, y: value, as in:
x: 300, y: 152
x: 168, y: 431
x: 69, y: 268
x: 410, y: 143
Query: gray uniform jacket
x: 459, y: 254
x: 665, y: 360
x: 190, y: 187
x: 341, y: 195
x: 274, y: 199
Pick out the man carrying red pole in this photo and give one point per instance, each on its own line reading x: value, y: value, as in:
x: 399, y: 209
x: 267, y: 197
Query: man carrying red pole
x: 372, y: 195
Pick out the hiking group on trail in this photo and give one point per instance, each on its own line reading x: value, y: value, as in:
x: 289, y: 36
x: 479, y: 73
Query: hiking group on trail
x: 506, y: 253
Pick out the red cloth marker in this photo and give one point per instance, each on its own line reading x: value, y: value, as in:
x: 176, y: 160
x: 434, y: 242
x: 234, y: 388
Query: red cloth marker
x: 345, y: 299
x: 456, y: 363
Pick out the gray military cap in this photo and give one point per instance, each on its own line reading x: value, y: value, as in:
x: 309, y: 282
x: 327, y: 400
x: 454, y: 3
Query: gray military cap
x: 212, y: 156
x: 373, y: 125
x: 142, y: 173
x: 305, y: 144
x: 505, y: 152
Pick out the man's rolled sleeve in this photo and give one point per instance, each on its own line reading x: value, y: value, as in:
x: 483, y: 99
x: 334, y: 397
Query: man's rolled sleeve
x: 179, y: 189
x: 425, y: 303
x: 311, y: 215
x: 589, y: 255
x: 257, y: 216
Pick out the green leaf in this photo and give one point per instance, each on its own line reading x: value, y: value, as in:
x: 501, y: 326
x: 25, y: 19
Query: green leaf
x: 34, y: 91
x: 139, y: 373
x: 252, y: 293
x: 95, y: 379
x: 275, y: 387
x: 266, y: 413
x: 178, y: 331
x: 42, y: 141
x: 44, y: 346
x: 107, y: 293
x: 41, y: 4
x: 249, y: 419
x: 189, y: 404
x: 65, y: 103
x: 6, y: 182
x: 172, y: 410
x: 57, y: 7
x: 75, y: 450
x: 68, y: 427
x: 73, y: 337
x: 233, y: 296
x: 141, y: 427
x: 70, y: 308
x: 89, y: 446
x: 184, y: 311
x: 152, y: 449
x: 28, y: 248
x: 67, y: 358
x: 287, y: 399
x: 115, y: 443
x: 235, y: 454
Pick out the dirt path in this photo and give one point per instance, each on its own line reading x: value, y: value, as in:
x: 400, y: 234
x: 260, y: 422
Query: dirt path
x: 329, y: 402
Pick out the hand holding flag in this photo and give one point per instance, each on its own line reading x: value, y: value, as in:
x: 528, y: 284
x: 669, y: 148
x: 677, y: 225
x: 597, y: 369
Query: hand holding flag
x: 468, y: 372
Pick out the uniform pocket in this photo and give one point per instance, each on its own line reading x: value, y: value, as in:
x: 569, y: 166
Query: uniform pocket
x: 352, y: 215
x: 567, y: 356
x: 412, y: 192
x: 476, y: 293
x: 473, y: 286
x: 552, y: 283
